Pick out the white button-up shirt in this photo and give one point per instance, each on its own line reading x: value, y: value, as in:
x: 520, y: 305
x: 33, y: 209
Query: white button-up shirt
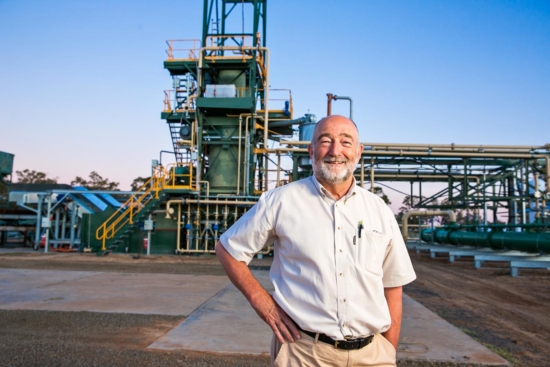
x: 332, y: 258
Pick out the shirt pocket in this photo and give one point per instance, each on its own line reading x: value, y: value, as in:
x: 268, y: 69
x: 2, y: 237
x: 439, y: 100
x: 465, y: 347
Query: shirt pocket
x: 371, y: 250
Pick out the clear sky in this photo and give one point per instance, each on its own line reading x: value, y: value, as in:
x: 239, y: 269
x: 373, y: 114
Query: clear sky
x: 82, y: 81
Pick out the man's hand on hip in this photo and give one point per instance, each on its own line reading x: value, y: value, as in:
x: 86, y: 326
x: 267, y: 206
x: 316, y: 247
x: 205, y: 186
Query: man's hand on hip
x: 262, y: 302
x: 273, y: 315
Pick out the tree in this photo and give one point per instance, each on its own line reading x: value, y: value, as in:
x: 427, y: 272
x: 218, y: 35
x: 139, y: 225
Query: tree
x: 33, y: 177
x: 138, y: 182
x: 408, y: 205
x: 380, y: 192
x: 96, y: 182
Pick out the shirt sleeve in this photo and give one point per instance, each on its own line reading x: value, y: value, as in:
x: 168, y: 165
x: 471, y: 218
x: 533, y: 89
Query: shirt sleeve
x: 398, y: 269
x: 251, y: 233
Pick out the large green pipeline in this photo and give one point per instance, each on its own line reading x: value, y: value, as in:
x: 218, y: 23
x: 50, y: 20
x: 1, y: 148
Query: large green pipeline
x: 519, y: 241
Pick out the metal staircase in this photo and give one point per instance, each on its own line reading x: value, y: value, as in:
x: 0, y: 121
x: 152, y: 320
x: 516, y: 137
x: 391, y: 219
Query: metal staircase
x: 164, y: 181
x: 125, y: 220
x: 181, y: 153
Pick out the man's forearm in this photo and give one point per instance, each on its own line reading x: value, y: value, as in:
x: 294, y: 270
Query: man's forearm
x: 240, y: 275
x: 394, y: 298
x: 261, y: 301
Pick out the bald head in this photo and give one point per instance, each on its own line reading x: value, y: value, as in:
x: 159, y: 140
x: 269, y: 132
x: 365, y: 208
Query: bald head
x: 332, y: 120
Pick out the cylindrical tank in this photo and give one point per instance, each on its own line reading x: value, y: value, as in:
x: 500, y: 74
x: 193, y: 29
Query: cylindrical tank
x: 222, y: 160
x: 306, y: 129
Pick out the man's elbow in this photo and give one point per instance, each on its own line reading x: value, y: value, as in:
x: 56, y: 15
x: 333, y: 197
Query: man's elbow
x: 221, y: 252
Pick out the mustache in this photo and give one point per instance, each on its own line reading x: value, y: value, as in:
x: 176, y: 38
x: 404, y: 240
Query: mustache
x: 335, y: 160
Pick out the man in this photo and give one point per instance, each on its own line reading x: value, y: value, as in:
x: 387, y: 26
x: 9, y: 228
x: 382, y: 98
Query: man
x: 339, y: 262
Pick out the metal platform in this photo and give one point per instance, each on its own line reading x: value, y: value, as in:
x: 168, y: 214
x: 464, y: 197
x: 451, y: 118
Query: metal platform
x: 517, y: 259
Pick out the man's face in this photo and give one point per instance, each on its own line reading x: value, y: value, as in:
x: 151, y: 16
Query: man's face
x: 335, y: 149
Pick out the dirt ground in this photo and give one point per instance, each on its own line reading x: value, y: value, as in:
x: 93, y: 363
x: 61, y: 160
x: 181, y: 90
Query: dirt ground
x: 509, y: 315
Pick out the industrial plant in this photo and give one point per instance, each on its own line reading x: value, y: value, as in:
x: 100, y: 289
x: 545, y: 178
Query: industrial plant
x: 234, y: 137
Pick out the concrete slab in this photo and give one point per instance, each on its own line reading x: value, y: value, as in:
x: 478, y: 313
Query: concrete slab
x: 224, y: 324
x: 220, y: 319
x: 163, y: 294
x: 227, y: 324
x: 426, y: 336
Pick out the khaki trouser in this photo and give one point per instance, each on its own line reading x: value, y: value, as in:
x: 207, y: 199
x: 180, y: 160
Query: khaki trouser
x: 306, y: 352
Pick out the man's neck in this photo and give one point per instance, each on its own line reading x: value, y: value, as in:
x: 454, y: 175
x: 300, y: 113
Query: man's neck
x: 337, y: 190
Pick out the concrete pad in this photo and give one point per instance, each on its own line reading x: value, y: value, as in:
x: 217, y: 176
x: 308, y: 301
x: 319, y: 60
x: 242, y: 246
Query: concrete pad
x: 227, y: 324
x: 426, y: 336
x: 220, y: 319
x: 163, y: 294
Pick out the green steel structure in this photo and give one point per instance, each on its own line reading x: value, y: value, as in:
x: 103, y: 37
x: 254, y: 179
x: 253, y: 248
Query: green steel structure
x: 223, y: 117
x: 219, y: 117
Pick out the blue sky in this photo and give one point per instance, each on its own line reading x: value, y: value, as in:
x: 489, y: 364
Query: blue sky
x: 81, y: 82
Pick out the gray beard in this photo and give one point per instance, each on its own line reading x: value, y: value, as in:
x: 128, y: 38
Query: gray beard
x: 329, y: 174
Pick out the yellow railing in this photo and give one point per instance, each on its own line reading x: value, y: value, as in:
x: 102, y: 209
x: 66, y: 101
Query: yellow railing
x: 171, y: 177
x: 230, y: 46
x: 167, y: 106
x: 189, y: 105
x: 245, y: 41
x: 188, y: 48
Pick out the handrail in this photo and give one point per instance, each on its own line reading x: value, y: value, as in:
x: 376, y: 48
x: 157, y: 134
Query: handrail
x: 214, y: 40
x: 189, y: 103
x: 162, y: 178
x: 192, y: 50
x: 167, y: 106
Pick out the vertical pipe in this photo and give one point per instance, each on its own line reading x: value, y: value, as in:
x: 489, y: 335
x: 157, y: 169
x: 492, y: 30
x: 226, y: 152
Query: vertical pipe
x: 362, y: 172
x: 484, y: 204
x: 329, y: 104
x: 266, y: 168
x: 73, y: 222
x: 64, y: 222
x: 38, y: 221
x: 239, y: 155
x: 49, y: 213
x: 372, y: 174
x: 278, y: 169
x: 512, y: 210
x: 178, y: 231
x: 149, y: 238
x: 56, y: 230
x: 412, y: 196
x: 246, y: 184
x: 537, y: 195
x: 465, y: 180
x: 450, y: 185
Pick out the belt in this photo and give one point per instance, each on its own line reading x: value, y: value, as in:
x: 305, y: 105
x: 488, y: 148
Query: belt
x: 347, y: 343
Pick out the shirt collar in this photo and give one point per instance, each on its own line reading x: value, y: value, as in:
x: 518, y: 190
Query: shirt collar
x: 324, y: 192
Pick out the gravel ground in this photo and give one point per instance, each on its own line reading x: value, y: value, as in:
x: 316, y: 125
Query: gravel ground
x: 509, y: 315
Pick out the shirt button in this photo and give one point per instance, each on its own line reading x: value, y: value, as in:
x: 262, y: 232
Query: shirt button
x: 338, y: 228
x: 341, y: 274
x: 341, y: 250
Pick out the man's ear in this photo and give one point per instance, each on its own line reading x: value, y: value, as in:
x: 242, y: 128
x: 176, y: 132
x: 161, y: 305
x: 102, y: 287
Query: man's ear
x: 310, y: 150
x: 359, y: 151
